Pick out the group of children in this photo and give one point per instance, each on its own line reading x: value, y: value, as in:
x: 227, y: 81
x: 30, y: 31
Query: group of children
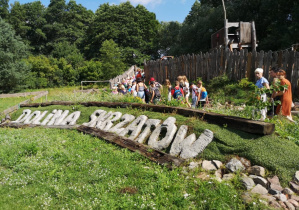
x: 182, y: 90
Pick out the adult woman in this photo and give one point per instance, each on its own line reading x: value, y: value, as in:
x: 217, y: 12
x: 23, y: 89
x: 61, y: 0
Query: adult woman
x: 262, y: 82
x: 140, y: 87
x: 169, y: 87
x: 286, y: 96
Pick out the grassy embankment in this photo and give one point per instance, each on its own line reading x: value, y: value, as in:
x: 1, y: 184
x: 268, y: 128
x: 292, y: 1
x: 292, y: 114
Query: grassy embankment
x: 52, y: 168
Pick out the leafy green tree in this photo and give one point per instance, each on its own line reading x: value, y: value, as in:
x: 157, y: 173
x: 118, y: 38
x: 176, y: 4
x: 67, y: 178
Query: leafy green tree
x: 112, y: 64
x: 13, y: 70
x: 28, y: 21
x: 4, y: 9
x: 126, y: 25
x: 91, y: 71
x: 168, y: 41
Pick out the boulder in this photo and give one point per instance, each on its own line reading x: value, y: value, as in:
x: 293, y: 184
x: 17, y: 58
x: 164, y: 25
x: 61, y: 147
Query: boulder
x: 296, y: 177
x: 259, y: 189
x: 287, y: 191
x: 275, y: 204
x: 289, y: 205
x: 294, y: 187
x: 259, y: 180
x: 208, y: 165
x: 294, y: 202
x: 247, y: 182
x: 217, y: 163
x: 274, y: 185
x: 257, y: 170
x: 218, y: 173
x: 245, y: 162
x: 227, y: 177
x: 280, y: 197
x: 268, y: 198
x: 235, y: 165
x: 295, y: 197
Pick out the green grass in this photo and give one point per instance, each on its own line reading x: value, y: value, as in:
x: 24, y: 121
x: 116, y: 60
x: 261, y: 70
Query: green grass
x: 278, y: 155
x: 55, y: 169
x: 5, y: 103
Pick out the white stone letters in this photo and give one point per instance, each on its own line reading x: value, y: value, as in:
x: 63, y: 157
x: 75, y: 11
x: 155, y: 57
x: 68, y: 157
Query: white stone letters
x: 127, y: 118
x: 160, y: 136
x: 169, y: 126
x: 134, y: 128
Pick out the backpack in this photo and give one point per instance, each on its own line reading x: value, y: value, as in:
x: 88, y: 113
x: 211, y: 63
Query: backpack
x: 203, y: 93
x: 177, y: 93
x: 157, y: 93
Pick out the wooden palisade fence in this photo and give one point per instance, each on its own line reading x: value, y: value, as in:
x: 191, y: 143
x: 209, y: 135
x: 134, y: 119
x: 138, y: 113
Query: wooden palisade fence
x: 236, y: 64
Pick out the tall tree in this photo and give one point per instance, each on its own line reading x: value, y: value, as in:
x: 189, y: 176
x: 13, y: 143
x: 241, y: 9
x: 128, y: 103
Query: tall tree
x: 112, y: 64
x: 125, y: 25
x: 13, y: 70
x: 28, y: 21
x: 4, y: 9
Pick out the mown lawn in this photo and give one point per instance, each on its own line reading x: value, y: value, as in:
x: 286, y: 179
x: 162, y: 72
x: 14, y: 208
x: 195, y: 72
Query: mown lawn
x: 52, y: 168
x: 5, y: 103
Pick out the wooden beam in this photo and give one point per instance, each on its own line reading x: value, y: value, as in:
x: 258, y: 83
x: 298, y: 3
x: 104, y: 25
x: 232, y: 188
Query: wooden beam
x: 146, y: 151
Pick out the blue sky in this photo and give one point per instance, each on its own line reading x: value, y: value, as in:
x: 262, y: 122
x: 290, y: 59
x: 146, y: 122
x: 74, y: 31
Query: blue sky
x: 165, y: 10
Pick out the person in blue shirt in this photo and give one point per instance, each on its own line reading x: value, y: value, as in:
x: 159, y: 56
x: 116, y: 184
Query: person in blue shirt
x: 262, y: 82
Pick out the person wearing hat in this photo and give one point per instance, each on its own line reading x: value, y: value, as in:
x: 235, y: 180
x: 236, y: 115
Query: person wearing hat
x: 157, y: 84
x: 262, y: 82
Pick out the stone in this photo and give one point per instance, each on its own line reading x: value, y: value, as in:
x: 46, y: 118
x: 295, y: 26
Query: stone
x: 169, y: 127
x: 49, y: 116
x: 296, y: 177
x: 274, y: 185
x: 218, y: 174
x: 275, y: 204
x: 58, y: 117
x: 235, y: 165
x: 227, y: 177
x: 180, y: 137
x: 295, y: 197
x: 259, y: 180
x: 247, y: 182
x: 259, y: 189
x: 217, y: 163
x: 191, y: 150
x: 289, y: 205
x: 257, y: 170
x: 294, y: 187
x: 194, y: 165
x: 274, y: 180
x: 119, y: 127
x: 36, y: 121
x: 108, y: 121
x: 208, y: 165
x: 268, y: 198
x: 294, y: 202
x: 245, y: 162
x: 134, y: 129
x: 287, y: 191
x: 282, y: 204
x: 71, y: 119
x: 26, y: 113
x: 280, y: 197
x: 147, y: 130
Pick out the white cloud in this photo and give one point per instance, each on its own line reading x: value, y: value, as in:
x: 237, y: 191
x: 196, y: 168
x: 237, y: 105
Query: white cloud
x: 145, y: 2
